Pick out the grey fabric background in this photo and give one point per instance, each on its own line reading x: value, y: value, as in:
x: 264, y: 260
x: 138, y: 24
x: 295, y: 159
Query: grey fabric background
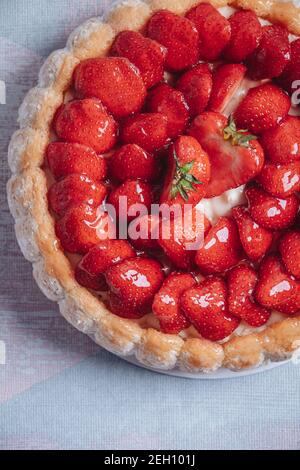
x: 60, y: 391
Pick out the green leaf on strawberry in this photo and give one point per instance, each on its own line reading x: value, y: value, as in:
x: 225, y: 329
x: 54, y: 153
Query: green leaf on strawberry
x: 240, y: 137
x: 183, y: 181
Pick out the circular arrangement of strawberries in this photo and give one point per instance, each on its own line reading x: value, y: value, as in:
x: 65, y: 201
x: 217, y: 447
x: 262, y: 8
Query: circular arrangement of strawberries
x: 192, y: 107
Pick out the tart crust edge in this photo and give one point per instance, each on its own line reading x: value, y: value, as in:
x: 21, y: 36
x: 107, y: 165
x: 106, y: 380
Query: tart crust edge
x: 34, y: 225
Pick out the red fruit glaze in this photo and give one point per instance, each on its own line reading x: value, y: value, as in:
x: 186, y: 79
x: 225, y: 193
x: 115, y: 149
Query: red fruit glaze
x: 280, y: 180
x: 206, y: 307
x: 144, y: 232
x: 214, y: 30
x: 74, y: 190
x: 86, y: 122
x: 263, y: 108
x: 136, y: 192
x: 246, y: 33
x: 149, y: 131
x: 132, y: 162
x: 166, y: 305
x: 272, y: 55
x: 241, y: 284
x: 113, y: 80
x: 66, y: 159
x: 226, y: 81
x: 178, y: 35
x: 282, y: 143
x: 256, y: 240
x: 271, y: 212
x: 196, y: 85
x: 135, y: 282
x: 171, y: 103
x: 147, y: 55
x: 291, y: 73
x: 289, y: 247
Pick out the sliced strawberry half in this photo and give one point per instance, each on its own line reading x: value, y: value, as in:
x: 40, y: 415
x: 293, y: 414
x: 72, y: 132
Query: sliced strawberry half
x: 206, y: 307
x: 188, y: 173
x: 255, y: 239
x: 289, y: 247
x: 235, y: 156
x: 280, y: 180
x: 246, y: 33
x: 282, y: 143
x: 226, y: 81
x: 196, y: 85
x: 166, y: 306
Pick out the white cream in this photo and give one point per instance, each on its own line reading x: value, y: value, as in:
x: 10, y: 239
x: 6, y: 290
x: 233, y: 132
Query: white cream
x: 221, y: 206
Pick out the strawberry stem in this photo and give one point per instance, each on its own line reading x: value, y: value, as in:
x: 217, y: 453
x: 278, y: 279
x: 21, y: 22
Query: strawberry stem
x: 183, y: 181
x: 240, y: 137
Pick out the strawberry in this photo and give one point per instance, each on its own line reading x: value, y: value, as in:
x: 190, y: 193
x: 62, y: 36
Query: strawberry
x: 113, y: 80
x: 133, y: 192
x: 178, y: 35
x: 282, y: 143
x: 149, y: 131
x: 289, y: 247
x: 147, y: 55
x: 74, y: 190
x: 132, y: 162
x: 206, y: 307
x: 246, y: 33
x: 226, y: 81
x: 166, y: 305
x: 221, y: 249
x: 65, y: 159
x: 276, y: 288
x: 196, y: 85
x: 170, y: 102
x: 182, y: 235
x: 90, y: 270
x: 235, y: 156
x: 117, y: 306
x: 135, y: 282
x: 144, y: 232
x: 256, y: 240
x: 291, y: 73
x: 214, y: 30
x: 271, y: 212
x: 272, y: 55
x: 241, y: 282
x: 188, y: 173
x: 77, y: 230
x: 263, y: 108
x: 280, y: 180
x: 80, y: 121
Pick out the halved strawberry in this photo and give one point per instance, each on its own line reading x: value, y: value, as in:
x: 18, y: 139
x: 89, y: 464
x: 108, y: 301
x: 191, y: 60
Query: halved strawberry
x: 290, y: 76
x: 256, y: 240
x: 221, y: 249
x: 77, y: 230
x: 182, y: 235
x: 166, y: 305
x: 272, y: 55
x: 206, y: 307
x: 246, y: 33
x: 196, y: 85
x: 149, y: 131
x: 166, y: 100
x: 226, y: 81
x: 132, y: 162
x: 178, y: 35
x: 147, y: 55
x: 282, y: 143
x: 144, y: 232
x: 289, y: 247
x: 90, y: 270
x: 66, y: 159
x: 276, y: 288
x: 242, y: 281
x: 132, y: 192
x: 80, y: 121
x: 235, y: 156
x: 280, y: 180
x: 263, y: 108
x: 214, y: 30
x: 188, y: 173
x: 271, y: 212
x: 74, y: 190
x: 113, y: 80
x: 135, y: 282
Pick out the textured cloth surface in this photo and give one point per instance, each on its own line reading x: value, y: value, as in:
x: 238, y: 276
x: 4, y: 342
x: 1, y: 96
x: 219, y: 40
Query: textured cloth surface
x: 60, y: 391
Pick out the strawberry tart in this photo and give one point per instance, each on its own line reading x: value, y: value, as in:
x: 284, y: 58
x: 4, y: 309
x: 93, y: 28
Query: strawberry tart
x: 169, y: 104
